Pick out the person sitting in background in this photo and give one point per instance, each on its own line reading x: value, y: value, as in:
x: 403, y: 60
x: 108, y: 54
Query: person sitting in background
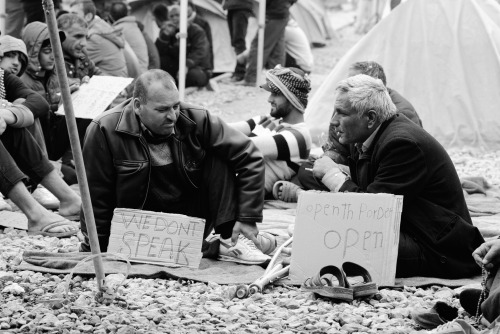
x: 198, y: 69
x: 283, y: 138
x: 105, y: 45
x: 21, y: 157
x: 118, y: 15
x: 78, y: 64
x: 41, y: 77
x: 193, y: 17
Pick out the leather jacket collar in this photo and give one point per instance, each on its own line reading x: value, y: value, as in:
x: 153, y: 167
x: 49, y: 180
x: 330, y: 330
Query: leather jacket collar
x: 129, y: 123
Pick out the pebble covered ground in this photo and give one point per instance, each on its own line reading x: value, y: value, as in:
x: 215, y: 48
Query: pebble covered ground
x: 42, y: 303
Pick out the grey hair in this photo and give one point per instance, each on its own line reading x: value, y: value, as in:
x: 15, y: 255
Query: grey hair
x: 364, y: 93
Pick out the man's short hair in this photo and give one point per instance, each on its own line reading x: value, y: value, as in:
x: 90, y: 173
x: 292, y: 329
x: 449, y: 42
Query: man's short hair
x: 144, y: 81
x: 66, y: 21
x: 364, y: 93
x: 118, y: 10
x: 370, y: 68
x: 88, y: 6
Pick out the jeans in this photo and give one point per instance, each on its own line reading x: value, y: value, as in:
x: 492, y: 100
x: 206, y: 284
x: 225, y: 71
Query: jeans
x: 237, y: 21
x: 21, y: 157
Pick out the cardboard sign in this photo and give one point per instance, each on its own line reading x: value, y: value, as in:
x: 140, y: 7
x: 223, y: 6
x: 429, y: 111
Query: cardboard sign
x: 333, y: 228
x: 92, y: 98
x: 155, y: 237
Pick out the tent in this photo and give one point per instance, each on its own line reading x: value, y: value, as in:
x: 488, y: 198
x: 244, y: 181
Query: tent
x: 444, y: 57
x: 313, y: 19
x: 212, y: 12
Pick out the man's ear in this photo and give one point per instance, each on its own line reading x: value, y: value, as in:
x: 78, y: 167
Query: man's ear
x: 372, y: 118
x: 136, y: 104
x: 88, y: 17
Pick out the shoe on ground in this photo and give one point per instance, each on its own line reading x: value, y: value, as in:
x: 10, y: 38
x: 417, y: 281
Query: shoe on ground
x: 455, y: 327
x: 469, y: 299
x: 244, y: 252
x: 439, y: 314
x: 236, y: 78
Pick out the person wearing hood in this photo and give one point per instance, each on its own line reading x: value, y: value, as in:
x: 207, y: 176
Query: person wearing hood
x: 198, y: 68
x: 118, y: 15
x: 105, y: 45
x: 41, y: 77
x: 14, y: 60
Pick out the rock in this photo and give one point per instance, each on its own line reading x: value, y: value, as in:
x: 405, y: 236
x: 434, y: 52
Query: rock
x: 49, y: 320
x: 7, y: 276
x: 38, y: 292
x: 14, y: 289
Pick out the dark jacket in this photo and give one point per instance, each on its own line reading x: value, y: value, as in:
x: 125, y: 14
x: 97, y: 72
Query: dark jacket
x: 118, y: 163
x: 238, y: 4
x: 405, y: 160
x: 80, y: 67
x: 197, y: 48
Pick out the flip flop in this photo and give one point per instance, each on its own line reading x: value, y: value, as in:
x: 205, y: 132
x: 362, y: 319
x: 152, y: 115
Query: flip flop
x: 366, y: 288
x: 322, y: 284
x: 288, y: 191
x: 44, y: 231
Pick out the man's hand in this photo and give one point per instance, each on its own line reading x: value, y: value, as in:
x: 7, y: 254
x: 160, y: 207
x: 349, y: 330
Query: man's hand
x: 3, y: 125
x: 488, y: 254
x: 322, y: 166
x: 249, y: 230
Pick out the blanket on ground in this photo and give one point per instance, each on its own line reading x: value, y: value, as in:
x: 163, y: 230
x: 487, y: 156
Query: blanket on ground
x: 279, y: 219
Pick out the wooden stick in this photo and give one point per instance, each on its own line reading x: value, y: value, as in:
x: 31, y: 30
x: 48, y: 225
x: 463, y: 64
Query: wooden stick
x: 50, y: 17
x: 182, y: 49
x: 260, y: 45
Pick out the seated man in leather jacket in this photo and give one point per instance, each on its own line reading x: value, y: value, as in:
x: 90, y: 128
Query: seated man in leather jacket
x: 388, y: 153
x: 156, y: 153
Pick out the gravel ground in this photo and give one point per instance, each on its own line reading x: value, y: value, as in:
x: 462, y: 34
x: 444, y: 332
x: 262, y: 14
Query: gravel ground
x: 36, y: 303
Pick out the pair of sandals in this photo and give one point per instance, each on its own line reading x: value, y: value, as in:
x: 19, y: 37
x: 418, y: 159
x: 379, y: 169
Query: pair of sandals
x: 339, y: 284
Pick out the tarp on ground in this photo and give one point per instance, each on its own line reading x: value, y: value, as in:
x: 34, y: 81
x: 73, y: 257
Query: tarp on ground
x: 312, y: 17
x: 444, y: 57
x: 212, y: 12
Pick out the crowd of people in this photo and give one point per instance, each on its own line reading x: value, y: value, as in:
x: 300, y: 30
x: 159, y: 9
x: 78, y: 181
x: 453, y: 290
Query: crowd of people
x: 154, y: 152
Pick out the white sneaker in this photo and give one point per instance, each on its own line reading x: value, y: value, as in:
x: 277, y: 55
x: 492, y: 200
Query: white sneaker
x: 245, y: 252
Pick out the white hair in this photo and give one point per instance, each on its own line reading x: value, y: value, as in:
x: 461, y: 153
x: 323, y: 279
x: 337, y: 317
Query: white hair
x: 364, y: 93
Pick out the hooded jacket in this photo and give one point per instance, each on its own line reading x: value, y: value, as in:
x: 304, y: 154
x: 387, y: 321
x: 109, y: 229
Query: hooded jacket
x: 105, y: 48
x: 9, y: 44
x: 133, y: 35
x: 44, y: 83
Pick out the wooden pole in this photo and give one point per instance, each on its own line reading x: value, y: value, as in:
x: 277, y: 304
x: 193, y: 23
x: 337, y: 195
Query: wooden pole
x: 182, y: 49
x: 260, y: 45
x: 50, y: 17
x: 3, y: 16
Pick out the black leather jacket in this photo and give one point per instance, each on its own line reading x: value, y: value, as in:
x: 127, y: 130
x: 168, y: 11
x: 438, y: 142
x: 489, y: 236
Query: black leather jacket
x: 118, y: 162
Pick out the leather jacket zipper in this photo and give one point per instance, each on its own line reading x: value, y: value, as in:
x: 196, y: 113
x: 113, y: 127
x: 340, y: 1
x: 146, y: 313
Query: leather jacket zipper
x: 146, y: 148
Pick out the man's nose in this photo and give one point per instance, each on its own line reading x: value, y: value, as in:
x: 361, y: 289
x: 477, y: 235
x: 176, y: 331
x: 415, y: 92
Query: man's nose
x: 334, y: 121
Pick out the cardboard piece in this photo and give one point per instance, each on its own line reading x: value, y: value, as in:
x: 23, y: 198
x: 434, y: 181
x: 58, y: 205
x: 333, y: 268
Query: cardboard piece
x: 333, y: 228
x: 159, y: 238
x: 92, y: 98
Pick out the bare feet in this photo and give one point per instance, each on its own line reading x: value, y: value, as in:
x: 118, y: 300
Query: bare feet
x: 286, y: 191
x: 70, y: 206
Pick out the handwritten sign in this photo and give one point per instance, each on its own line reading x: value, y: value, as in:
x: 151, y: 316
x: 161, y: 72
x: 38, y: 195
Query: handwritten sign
x: 155, y: 237
x: 333, y: 228
x: 92, y: 98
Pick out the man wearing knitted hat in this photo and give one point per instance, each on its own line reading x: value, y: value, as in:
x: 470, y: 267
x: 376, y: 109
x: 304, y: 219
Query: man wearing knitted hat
x: 282, y: 136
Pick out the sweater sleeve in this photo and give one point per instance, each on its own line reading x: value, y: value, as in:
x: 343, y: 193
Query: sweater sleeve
x: 289, y: 144
x: 16, y: 89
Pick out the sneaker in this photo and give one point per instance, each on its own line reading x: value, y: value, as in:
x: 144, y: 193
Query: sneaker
x: 244, y: 252
x: 267, y: 241
x: 469, y: 299
x: 438, y: 315
x: 455, y: 327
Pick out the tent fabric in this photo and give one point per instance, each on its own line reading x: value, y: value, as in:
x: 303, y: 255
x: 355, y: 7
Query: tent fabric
x: 313, y: 19
x: 212, y: 12
x: 441, y: 55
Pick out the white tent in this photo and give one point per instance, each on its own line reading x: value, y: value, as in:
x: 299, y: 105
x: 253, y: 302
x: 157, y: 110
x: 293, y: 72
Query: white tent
x: 444, y: 57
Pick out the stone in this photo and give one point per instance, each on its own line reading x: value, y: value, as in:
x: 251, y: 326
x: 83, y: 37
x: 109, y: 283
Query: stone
x: 14, y: 289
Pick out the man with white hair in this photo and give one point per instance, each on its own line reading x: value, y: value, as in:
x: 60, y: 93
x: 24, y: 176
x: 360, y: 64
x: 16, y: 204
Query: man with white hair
x: 391, y: 154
